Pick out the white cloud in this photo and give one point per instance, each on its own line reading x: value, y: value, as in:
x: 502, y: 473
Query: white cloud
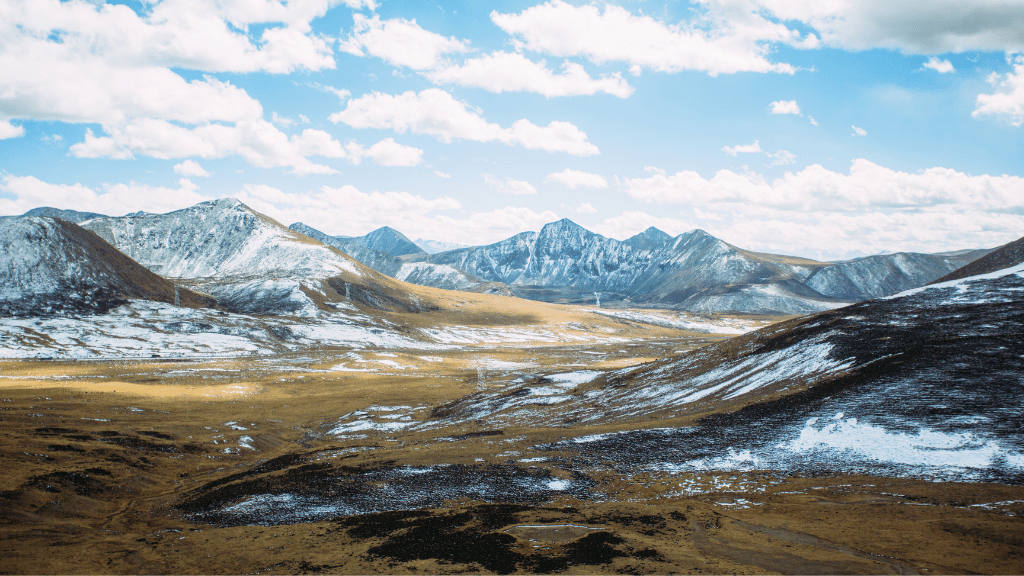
x: 1009, y: 101
x: 258, y: 142
x: 858, y: 131
x: 910, y: 26
x: 512, y: 72
x: 585, y: 208
x: 725, y: 38
x: 813, y: 121
x: 91, y: 62
x: 782, y: 157
x: 387, y: 152
x: 399, y: 42
x: 940, y: 66
x: 819, y: 212
x: 8, y: 130
x: 440, y: 174
x: 509, y: 185
x: 785, y: 107
x: 436, y: 113
x: 190, y: 168
x: 349, y: 211
x: 29, y: 192
x: 574, y: 179
x: 745, y: 148
x: 867, y: 186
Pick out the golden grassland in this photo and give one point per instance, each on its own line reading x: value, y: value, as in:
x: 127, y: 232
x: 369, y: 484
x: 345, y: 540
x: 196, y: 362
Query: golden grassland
x: 97, y: 456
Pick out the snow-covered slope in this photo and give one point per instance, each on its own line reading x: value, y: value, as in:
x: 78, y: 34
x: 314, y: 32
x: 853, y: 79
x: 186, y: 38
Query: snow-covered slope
x: 926, y: 383
x: 387, y: 239
x: 433, y: 246
x: 249, y: 262
x: 49, y: 265
x: 421, y: 273
x: 882, y: 275
x: 221, y: 238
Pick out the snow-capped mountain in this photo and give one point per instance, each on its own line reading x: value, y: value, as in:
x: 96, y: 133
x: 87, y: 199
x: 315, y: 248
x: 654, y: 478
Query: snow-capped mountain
x: 49, y: 265
x: 384, y: 240
x: 694, y: 271
x: 925, y: 383
x: 248, y: 261
x: 422, y: 273
x: 387, y: 239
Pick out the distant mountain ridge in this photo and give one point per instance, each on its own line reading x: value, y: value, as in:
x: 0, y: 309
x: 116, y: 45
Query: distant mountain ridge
x: 694, y: 271
x: 69, y: 215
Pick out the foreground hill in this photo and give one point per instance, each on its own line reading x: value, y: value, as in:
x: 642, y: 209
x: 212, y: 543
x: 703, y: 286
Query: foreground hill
x: 49, y: 265
x: 926, y: 383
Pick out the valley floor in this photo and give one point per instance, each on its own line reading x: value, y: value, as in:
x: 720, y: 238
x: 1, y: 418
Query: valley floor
x: 343, y: 462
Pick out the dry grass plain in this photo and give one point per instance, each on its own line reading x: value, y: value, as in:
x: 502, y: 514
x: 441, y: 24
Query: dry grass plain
x: 115, y: 466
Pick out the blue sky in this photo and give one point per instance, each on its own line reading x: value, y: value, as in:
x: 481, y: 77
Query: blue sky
x: 824, y: 129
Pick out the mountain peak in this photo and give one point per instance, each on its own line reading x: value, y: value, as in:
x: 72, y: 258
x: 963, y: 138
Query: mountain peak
x: 387, y: 239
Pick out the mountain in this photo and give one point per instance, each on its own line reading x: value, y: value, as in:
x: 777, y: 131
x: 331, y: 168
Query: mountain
x: 1005, y: 256
x: 387, y: 239
x: 694, y: 271
x: 248, y: 261
x: 422, y: 273
x: 433, y: 246
x: 882, y: 275
x: 49, y: 265
x: 69, y: 215
x: 923, y: 384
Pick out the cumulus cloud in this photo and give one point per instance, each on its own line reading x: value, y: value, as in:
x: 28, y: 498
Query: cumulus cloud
x: 400, y: 42
x: 725, y: 38
x: 97, y: 63
x: 29, y: 192
x: 440, y: 174
x: 910, y: 26
x: 785, y: 107
x: 257, y: 141
x: 349, y: 211
x: 190, y: 168
x: 858, y: 131
x: 512, y: 72
x: 574, y: 179
x: 940, y: 66
x: 436, y: 113
x: 509, y: 185
x: 585, y: 208
x: 1008, y: 100
x: 744, y: 148
x: 821, y: 212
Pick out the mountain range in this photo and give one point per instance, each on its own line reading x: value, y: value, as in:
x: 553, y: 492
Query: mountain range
x: 252, y: 264
x: 694, y: 271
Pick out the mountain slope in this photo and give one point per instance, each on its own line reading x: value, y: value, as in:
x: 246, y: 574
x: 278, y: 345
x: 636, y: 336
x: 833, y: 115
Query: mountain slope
x: 249, y: 262
x: 421, y: 273
x: 1005, y: 256
x: 387, y: 239
x: 882, y: 275
x: 926, y: 383
x: 50, y: 265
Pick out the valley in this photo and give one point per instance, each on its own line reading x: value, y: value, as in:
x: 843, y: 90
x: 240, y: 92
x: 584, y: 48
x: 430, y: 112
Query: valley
x: 209, y: 391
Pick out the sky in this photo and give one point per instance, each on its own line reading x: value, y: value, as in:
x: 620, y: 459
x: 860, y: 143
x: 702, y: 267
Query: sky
x: 828, y: 129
